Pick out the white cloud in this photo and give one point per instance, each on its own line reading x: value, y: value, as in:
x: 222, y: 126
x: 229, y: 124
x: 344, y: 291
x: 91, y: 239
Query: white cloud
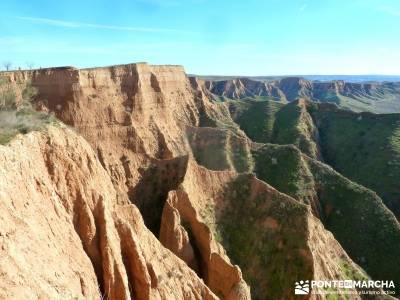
x: 71, y: 24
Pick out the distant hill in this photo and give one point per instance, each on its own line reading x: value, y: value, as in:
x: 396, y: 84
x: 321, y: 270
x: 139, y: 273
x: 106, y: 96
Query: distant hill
x: 348, y: 78
x: 376, y: 97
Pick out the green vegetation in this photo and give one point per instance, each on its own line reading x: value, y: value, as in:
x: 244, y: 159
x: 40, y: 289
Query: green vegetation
x: 219, y: 149
x: 360, y: 222
x: 294, y: 125
x: 283, y: 168
x: 355, y: 215
x: 274, y: 122
x: 286, y: 129
x: 18, y: 116
x: 209, y: 147
x: 255, y: 118
x: 351, y: 273
x: 269, y: 228
x: 364, y: 147
x: 218, y: 118
x: 383, y: 98
x: 218, y: 144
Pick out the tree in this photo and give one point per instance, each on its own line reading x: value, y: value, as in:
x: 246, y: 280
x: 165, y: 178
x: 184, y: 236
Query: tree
x: 7, y: 65
x: 30, y: 65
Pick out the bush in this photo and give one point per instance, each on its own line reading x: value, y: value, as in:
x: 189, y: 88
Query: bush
x: 7, y: 96
x: 9, y: 99
x: 18, y: 116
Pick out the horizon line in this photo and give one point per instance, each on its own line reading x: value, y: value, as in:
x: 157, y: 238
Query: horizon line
x: 18, y: 68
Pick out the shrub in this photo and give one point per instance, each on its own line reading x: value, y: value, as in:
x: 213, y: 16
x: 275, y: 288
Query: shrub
x: 18, y: 116
x: 7, y: 96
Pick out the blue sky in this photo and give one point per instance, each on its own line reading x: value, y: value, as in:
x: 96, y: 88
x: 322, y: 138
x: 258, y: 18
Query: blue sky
x: 225, y: 37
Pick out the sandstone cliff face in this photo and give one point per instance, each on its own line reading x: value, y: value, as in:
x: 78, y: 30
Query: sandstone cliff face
x: 250, y: 219
x: 37, y: 227
x: 241, y: 88
x: 65, y: 235
x: 131, y: 115
x: 135, y: 117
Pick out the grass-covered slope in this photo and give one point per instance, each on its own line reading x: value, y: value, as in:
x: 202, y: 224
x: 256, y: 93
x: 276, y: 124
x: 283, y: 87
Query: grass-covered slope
x: 294, y: 125
x: 255, y: 118
x: 273, y: 122
x: 369, y: 97
x: 364, y: 147
x: 265, y: 232
x: 219, y: 149
x: 283, y: 167
x: 357, y: 217
x: 276, y: 240
x: 218, y: 143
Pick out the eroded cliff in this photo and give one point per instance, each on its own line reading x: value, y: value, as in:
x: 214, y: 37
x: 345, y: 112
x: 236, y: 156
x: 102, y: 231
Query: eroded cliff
x: 365, y: 96
x: 64, y: 233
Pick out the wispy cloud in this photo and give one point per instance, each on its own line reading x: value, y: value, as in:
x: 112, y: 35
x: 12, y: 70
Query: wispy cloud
x: 170, y: 3
x: 380, y: 6
x: 72, y: 24
x: 160, y: 2
x: 390, y: 10
x: 10, y: 40
x: 303, y: 7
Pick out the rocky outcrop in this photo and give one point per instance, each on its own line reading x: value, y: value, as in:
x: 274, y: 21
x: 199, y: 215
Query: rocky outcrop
x: 374, y: 97
x: 283, y: 90
x: 251, y: 219
x: 136, y: 117
x: 174, y: 236
x: 241, y: 88
x: 66, y: 234
x: 224, y: 278
x: 132, y: 116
